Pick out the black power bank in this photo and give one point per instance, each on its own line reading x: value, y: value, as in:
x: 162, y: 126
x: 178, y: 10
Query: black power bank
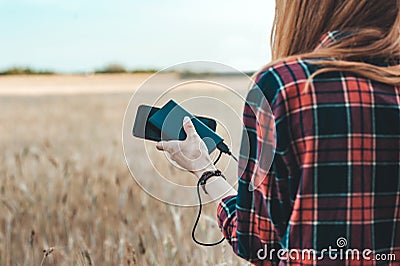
x: 169, y: 119
x: 145, y: 130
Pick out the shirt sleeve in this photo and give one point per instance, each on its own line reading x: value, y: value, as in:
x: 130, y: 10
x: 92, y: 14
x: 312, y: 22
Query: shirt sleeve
x: 256, y: 219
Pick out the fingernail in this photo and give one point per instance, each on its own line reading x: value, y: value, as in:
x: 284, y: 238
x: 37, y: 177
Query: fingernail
x: 186, y: 119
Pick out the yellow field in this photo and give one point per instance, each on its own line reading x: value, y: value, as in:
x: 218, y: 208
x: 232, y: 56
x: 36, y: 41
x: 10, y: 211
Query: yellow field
x: 64, y: 182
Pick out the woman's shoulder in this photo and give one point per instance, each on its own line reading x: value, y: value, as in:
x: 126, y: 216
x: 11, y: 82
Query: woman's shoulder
x: 286, y: 71
x: 282, y: 75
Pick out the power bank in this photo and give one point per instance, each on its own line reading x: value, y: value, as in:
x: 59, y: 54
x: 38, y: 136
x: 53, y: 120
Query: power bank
x: 145, y: 130
x: 169, y: 120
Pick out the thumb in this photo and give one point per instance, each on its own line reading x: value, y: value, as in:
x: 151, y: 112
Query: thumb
x: 164, y: 146
x: 189, y: 128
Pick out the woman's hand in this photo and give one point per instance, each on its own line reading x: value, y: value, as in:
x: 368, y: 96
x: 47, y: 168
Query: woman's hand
x: 191, y: 153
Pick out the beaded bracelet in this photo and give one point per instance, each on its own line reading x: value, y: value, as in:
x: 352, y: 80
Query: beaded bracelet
x: 207, y: 175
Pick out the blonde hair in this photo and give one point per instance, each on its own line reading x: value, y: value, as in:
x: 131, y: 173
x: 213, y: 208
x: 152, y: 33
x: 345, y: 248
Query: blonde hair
x: 374, y: 35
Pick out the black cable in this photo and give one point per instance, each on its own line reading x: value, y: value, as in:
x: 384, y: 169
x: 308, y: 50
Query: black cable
x: 233, y: 156
x: 197, y: 221
x: 219, y: 157
x: 223, y: 148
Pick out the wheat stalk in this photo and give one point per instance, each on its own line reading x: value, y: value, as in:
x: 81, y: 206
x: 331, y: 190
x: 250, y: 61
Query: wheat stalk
x: 46, y: 253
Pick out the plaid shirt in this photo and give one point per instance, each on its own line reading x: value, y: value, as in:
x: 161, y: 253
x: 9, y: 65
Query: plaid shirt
x: 334, y: 179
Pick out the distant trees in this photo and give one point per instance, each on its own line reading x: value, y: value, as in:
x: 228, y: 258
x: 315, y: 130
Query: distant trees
x: 112, y: 68
x: 118, y: 69
x: 25, y: 71
x: 108, y: 69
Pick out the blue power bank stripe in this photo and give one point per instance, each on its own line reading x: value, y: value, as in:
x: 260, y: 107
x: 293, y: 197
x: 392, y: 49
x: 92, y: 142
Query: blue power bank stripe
x: 169, y: 120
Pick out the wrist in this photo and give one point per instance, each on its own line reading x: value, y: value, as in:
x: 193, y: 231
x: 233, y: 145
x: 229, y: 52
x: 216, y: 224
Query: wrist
x: 209, y: 175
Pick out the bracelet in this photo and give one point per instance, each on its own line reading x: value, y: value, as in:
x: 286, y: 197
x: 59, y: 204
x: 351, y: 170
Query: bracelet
x: 207, y: 175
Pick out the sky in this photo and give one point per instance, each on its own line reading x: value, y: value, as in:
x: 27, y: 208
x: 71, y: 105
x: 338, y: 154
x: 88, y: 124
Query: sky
x: 84, y: 35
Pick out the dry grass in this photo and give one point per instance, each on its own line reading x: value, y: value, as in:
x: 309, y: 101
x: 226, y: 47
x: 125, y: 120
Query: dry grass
x: 67, y: 198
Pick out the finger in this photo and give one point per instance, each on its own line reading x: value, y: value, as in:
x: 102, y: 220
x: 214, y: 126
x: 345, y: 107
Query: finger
x: 189, y: 128
x: 164, y: 146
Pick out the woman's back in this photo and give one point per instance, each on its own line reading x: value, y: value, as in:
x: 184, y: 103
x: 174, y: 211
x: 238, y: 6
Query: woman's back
x: 341, y: 157
x: 335, y: 179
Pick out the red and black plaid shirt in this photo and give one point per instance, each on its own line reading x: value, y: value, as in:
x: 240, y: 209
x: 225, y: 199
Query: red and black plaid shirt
x: 335, y: 178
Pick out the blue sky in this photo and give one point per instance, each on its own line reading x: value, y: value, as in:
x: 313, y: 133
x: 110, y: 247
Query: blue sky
x: 83, y: 35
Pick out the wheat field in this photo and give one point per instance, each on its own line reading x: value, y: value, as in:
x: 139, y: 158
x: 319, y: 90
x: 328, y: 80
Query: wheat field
x: 66, y: 195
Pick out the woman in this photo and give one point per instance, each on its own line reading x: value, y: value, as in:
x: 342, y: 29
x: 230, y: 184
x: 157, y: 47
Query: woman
x: 334, y: 91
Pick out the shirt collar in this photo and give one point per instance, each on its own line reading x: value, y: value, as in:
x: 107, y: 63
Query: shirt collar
x: 330, y: 37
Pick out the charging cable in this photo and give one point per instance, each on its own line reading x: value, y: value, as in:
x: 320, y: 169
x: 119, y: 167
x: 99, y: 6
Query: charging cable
x: 223, y: 148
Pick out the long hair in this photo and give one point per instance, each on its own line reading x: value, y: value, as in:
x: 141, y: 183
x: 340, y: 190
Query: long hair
x: 374, y: 35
